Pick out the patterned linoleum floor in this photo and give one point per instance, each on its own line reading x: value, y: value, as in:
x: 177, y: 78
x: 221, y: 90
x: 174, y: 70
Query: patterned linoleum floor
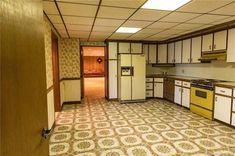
x: 157, y: 127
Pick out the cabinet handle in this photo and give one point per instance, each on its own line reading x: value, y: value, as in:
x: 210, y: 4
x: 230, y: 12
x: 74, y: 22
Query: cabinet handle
x: 214, y: 46
x: 182, y: 90
x: 188, y: 60
x: 222, y: 91
x: 216, y: 98
x: 210, y: 47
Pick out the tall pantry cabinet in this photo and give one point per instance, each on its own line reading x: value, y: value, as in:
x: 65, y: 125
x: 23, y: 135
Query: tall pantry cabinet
x: 112, y: 70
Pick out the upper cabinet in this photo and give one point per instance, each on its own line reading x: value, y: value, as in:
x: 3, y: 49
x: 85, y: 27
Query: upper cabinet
x: 196, y: 49
x: 152, y: 53
x: 124, y: 47
x: 220, y: 41
x: 178, y: 52
x: 136, y: 48
x: 146, y: 52
x: 171, y: 53
x: 186, y: 52
x: 207, y: 41
x: 162, y: 53
x: 112, y: 50
x: 231, y: 46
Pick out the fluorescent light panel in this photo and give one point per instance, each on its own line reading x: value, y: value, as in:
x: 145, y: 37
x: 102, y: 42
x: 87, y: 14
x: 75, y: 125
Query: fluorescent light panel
x: 169, y: 5
x: 127, y: 30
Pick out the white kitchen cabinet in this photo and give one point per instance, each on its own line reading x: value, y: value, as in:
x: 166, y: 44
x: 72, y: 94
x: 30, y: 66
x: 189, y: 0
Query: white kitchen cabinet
x: 158, y: 90
x: 220, y: 40
x: 207, y: 41
x: 124, y: 47
x: 162, y: 53
x: 178, y: 52
x: 233, y: 119
x: 152, y: 53
x: 196, y: 49
x: 112, y: 50
x: 231, y: 45
x: 71, y: 90
x: 136, y: 48
x: 186, y: 97
x: 186, y: 52
x: 178, y: 95
x: 112, y: 79
x: 171, y: 53
x: 146, y: 52
x: 222, y: 108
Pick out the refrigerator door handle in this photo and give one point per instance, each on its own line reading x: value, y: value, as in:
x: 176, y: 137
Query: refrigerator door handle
x: 132, y: 71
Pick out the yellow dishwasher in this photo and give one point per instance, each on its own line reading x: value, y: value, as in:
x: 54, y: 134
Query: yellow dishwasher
x: 202, y: 97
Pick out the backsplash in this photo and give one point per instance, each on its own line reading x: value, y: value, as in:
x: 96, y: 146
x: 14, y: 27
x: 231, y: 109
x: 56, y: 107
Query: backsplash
x: 69, y: 58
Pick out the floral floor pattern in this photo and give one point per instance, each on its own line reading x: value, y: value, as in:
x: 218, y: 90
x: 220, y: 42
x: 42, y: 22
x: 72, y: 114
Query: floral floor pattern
x: 157, y: 127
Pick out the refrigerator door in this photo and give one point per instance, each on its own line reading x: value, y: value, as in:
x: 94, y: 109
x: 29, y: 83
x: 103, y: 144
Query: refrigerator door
x: 138, y: 78
x: 125, y: 81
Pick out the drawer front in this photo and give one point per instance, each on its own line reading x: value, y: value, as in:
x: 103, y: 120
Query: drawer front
x: 223, y: 91
x: 149, y: 79
x: 186, y: 84
x: 149, y: 85
x: 149, y: 93
x: 177, y: 82
x: 158, y: 79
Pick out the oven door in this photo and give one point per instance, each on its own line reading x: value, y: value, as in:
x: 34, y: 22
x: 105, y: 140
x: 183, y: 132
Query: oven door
x: 202, y: 97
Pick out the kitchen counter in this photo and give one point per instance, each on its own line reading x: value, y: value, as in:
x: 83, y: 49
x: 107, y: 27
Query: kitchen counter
x: 184, y: 78
x: 226, y: 84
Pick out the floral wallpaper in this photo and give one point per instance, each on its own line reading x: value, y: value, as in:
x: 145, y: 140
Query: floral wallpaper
x: 48, y: 53
x: 69, y: 58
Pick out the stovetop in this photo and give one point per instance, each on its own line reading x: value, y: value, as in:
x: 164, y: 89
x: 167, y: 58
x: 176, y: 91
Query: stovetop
x: 208, y: 84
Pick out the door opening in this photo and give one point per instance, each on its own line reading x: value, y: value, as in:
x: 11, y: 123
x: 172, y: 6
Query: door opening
x: 93, y: 60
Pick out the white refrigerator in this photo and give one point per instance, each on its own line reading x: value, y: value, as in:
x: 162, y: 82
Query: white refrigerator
x: 131, y: 77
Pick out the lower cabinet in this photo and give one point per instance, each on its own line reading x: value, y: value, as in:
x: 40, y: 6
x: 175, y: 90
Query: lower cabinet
x: 222, y: 108
x: 178, y: 95
x: 182, y: 93
x: 149, y: 87
x: 158, y: 89
x: 186, y: 97
x: 168, y: 91
x: 70, y: 91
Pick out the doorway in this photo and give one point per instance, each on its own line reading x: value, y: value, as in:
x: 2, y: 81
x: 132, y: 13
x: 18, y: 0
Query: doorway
x: 93, y: 71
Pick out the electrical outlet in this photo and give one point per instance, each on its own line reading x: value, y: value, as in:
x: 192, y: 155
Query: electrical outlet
x: 183, y: 71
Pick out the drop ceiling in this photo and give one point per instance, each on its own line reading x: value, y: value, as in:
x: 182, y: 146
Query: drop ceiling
x: 98, y: 20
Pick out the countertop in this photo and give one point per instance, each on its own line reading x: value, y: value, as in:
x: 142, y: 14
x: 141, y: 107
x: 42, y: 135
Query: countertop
x: 226, y: 84
x: 186, y: 78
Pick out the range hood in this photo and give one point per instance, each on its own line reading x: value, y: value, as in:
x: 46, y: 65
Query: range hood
x: 207, y: 57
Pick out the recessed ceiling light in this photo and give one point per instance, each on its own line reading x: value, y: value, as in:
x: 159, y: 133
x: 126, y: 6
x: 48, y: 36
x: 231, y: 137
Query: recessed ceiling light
x: 127, y: 30
x: 169, y: 5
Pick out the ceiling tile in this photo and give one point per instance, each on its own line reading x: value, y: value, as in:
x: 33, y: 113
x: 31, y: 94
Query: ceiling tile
x: 78, y: 27
x: 59, y: 26
x: 117, y: 13
x: 171, y: 32
x: 207, y: 19
x: 149, y: 15
x: 100, y: 34
x: 224, y: 20
x: 97, y: 39
x: 55, y: 19
x: 203, y: 6
x: 123, y: 3
x: 187, y: 26
x: 120, y: 36
x: 139, y: 36
x: 179, y: 17
x: 50, y: 7
x: 139, y: 24
x: 63, y: 33
x: 104, y: 28
x: 78, y: 20
x: 79, y: 34
x: 108, y: 22
x: 94, y: 2
x: 226, y: 10
x: 150, y: 31
x: 162, y: 25
x: 77, y: 9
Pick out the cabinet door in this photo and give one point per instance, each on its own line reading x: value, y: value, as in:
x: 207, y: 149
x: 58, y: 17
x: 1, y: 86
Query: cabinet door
x: 146, y: 52
x: 158, y: 90
x: 112, y: 79
x: 220, y: 40
x: 123, y: 47
x: 177, y: 96
x: 186, y: 52
x: 162, y: 53
x: 185, y: 97
x: 207, y: 42
x: 112, y: 49
x: 171, y: 53
x: 178, y: 52
x: 222, y: 110
x: 231, y: 46
x: 152, y: 53
x: 196, y: 49
x: 136, y: 48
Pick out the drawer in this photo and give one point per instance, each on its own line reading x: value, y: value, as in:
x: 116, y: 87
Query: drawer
x: 158, y: 79
x: 149, y: 85
x: 177, y: 82
x: 223, y: 91
x: 186, y: 84
x: 149, y: 93
x: 149, y: 79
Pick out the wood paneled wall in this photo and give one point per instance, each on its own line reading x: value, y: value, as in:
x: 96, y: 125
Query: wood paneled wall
x: 92, y: 67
